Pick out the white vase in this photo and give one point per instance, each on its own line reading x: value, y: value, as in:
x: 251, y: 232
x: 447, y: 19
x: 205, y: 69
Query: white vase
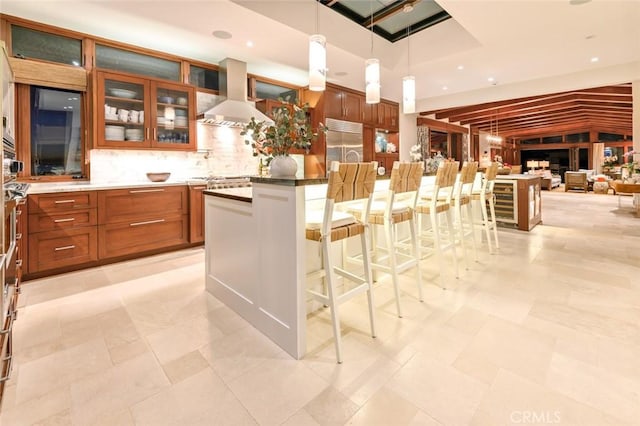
x: 283, y: 166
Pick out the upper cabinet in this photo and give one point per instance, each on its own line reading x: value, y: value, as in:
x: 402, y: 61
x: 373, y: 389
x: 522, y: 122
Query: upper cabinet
x: 388, y: 114
x: 140, y: 113
x: 343, y: 104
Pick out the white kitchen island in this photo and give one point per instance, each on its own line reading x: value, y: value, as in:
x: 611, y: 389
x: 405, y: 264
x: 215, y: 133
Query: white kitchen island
x: 256, y: 257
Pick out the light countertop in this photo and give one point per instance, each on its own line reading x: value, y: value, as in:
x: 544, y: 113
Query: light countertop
x: 51, y: 187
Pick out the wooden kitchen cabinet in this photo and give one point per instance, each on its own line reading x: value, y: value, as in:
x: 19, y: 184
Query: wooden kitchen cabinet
x: 196, y: 213
x: 369, y: 113
x: 388, y: 115
x: 343, y: 104
x: 141, y: 113
x: 62, y: 229
x: 138, y: 220
x: 21, y: 238
x: 386, y: 160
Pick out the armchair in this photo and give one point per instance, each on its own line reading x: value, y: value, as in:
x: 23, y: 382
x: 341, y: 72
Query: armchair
x: 575, y: 180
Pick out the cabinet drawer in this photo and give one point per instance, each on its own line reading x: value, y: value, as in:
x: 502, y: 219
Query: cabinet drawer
x: 139, y: 204
x: 66, y: 201
x: 74, y: 219
x: 55, y: 249
x: 138, y: 236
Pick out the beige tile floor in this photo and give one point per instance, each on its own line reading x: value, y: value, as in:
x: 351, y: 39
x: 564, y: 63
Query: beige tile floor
x: 547, y: 331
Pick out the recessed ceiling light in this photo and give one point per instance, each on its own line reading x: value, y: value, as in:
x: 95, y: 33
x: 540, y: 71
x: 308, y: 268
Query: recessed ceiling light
x: 249, y: 43
x: 590, y: 36
x: 578, y: 2
x: 408, y: 7
x: 595, y: 59
x: 491, y: 79
x: 460, y: 67
x: 445, y: 88
x: 340, y: 73
x: 221, y: 34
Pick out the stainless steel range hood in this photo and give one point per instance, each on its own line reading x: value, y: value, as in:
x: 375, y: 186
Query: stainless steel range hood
x: 235, y: 110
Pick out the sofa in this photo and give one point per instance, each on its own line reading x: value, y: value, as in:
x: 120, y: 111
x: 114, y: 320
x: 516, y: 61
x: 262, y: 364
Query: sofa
x: 549, y: 180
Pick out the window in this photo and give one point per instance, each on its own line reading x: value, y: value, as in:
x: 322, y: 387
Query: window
x: 49, y: 47
x: 578, y: 137
x: 136, y: 63
x: 609, y: 137
x: 266, y: 90
x: 203, y: 77
x: 533, y: 141
x: 56, y: 147
x: 552, y: 139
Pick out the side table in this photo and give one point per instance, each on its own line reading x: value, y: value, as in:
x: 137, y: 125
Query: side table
x: 600, y: 187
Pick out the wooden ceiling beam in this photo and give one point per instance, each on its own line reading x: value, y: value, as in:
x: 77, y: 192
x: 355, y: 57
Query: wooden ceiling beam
x: 621, y: 89
x: 539, y: 106
x: 522, y: 120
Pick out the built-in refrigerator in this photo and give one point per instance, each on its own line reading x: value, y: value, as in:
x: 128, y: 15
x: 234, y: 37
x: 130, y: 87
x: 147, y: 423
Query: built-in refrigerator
x: 344, y: 141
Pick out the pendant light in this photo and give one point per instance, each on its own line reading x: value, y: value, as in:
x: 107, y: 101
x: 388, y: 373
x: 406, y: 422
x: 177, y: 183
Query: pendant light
x: 317, y: 59
x: 408, y: 84
x: 372, y: 71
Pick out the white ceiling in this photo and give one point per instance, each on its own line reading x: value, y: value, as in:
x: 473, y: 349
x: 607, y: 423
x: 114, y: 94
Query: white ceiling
x: 528, y: 46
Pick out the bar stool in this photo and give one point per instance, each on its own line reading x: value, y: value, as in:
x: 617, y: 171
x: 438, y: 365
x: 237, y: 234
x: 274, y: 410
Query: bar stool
x: 463, y: 224
x: 484, y: 197
x: 397, y: 256
x: 347, y: 182
x: 439, y: 238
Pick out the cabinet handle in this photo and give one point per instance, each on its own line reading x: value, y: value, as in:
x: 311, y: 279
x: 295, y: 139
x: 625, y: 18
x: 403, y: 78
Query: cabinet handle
x: 154, y: 133
x: 19, y: 236
x: 146, y: 133
x: 138, y: 191
x: 71, y: 219
x: 65, y: 248
x: 199, y: 187
x: 22, y: 201
x: 147, y: 222
x: 64, y: 201
x: 18, y: 212
x: 19, y: 263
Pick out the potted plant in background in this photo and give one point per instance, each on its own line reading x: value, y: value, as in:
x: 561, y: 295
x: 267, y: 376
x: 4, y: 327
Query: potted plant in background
x: 291, y: 128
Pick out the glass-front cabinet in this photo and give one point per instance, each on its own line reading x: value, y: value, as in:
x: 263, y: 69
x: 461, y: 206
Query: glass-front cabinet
x: 140, y: 113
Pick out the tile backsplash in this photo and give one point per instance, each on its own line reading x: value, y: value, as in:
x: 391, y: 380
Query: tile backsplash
x: 227, y: 155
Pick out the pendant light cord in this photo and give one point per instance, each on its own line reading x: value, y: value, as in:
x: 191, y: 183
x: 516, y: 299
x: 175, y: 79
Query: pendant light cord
x: 371, y: 15
x: 317, y: 1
